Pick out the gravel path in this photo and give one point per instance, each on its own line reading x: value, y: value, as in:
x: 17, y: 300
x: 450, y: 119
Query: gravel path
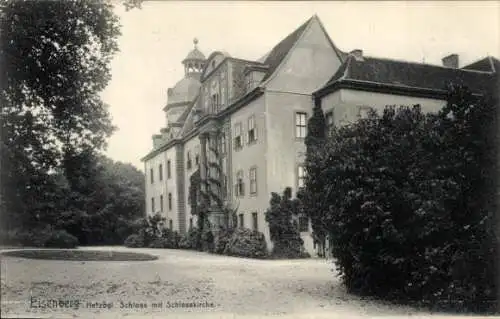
x: 219, y: 286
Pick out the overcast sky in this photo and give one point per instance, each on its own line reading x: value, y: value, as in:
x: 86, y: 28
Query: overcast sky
x: 156, y: 38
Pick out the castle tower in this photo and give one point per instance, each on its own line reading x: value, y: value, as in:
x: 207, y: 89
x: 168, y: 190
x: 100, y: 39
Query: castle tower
x: 184, y: 92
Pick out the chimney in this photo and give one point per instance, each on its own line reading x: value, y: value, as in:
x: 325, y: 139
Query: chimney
x: 357, y: 54
x: 157, y: 140
x: 451, y: 61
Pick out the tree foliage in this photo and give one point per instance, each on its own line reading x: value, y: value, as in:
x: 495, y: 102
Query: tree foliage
x: 314, y: 182
x: 55, y: 60
x: 410, y: 203
x: 283, y: 232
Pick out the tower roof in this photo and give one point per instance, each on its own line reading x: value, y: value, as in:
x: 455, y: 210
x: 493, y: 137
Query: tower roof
x: 195, y: 54
x: 184, y: 91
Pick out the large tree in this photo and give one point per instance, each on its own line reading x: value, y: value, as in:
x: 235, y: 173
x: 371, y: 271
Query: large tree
x: 55, y: 60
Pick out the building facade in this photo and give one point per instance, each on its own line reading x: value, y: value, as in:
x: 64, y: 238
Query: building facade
x: 241, y: 124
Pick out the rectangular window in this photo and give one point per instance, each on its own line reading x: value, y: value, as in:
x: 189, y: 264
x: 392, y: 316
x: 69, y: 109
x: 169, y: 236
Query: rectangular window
x: 169, y: 201
x: 197, y: 159
x: 189, y: 161
x: 171, y: 224
x: 303, y: 224
x: 300, y: 124
x: 253, y: 180
x: 152, y: 176
x: 255, y: 221
x: 242, y: 221
x: 152, y: 205
x: 301, y: 175
x: 239, y: 186
x: 169, y: 170
x: 252, y: 132
x: 223, y: 144
x: 160, y: 172
x: 329, y: 121
x: 215, y: 103
x: 191, y: 223
x: 224, y: 186
x: 234, y: 220
x: 161, y: 203
x: 237, y: 136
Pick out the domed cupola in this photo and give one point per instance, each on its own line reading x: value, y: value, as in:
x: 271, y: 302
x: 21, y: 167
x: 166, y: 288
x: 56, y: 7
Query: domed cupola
x: 194, y: 61
x: 185, y: 91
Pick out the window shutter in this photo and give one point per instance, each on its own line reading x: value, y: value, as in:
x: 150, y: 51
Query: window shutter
x: 244, y: 134
x: 255, y: 128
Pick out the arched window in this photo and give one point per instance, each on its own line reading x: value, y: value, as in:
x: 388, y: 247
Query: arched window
x: 169, y: 201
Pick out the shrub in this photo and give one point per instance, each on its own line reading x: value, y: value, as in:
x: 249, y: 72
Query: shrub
x: 29, y: 238
x: 160, y: 243
x: 290, y: 248
x: 189, y: 240
x: 221, y: 240
x: 246, y: 243
x: 207, y: 240
x: 61, y: 239
x: 169, y: 239
x: 134, y: 241
x: 42, y: 237
x: 284, y: 233
x: 409, y: 211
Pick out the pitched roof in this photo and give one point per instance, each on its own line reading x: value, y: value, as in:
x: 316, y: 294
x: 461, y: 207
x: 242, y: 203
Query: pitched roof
x: 278, y: 53
x: 406, y: 75
x: 280, y: 50
x: 485, y: 64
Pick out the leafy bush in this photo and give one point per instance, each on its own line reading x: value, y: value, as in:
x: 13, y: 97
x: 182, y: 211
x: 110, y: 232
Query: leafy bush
x: 189, y: 240
x: 148, y: 232
x: 207, y: 240
x: 135, y: 241
x: 290, y: 248
x: 160, y: 243
x: 61, y: 239
x: 409, y: 213
x: 284, y: 233
x: 29, y: 238
x: 42, y: 237
x: 246, y: 243
x: 221, y: 240
x: 169, y: 239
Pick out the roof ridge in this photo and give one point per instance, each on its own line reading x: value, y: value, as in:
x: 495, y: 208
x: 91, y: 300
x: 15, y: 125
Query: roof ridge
x: 426, y: 64
x: 348, y: 61
x: 490, y: 58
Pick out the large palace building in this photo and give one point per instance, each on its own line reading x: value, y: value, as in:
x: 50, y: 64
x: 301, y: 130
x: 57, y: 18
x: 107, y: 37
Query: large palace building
x: 242, y: 123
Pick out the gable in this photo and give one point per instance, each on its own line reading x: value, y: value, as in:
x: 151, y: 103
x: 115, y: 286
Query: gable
x: 308, y: 64
x: 212, y: 63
